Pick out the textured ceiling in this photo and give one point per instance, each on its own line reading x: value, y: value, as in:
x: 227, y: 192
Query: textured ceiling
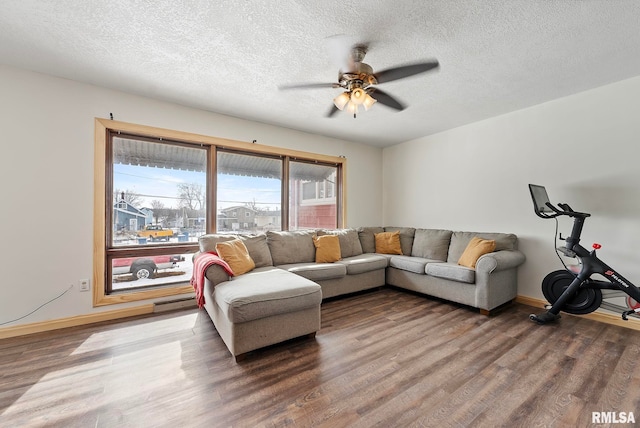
x: 230, y: 56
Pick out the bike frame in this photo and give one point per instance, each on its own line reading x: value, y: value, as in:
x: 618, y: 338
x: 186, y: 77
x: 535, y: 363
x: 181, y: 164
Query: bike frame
x: 591, y: 264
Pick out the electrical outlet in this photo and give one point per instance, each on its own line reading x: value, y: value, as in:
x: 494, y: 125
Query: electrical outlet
x: 83, y: 285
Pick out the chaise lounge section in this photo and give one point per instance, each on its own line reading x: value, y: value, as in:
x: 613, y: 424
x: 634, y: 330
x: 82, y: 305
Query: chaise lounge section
x: 280, y: 298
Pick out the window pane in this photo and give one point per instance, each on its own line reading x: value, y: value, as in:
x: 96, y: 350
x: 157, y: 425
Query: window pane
x: 312, y: 190
x: 249, y: 193
x: 159, y: 192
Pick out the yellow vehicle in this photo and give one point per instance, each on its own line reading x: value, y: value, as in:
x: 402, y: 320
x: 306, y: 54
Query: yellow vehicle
x: 155, y: 232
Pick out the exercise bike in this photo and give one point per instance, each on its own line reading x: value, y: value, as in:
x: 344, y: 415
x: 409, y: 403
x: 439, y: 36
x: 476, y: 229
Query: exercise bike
x: 577, y: 292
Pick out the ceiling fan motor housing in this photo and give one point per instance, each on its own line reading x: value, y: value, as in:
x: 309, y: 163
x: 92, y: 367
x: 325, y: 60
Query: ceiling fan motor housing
x: 360, y: 76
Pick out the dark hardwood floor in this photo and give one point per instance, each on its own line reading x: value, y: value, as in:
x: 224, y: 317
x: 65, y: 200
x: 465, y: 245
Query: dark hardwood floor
x: 386, y: 358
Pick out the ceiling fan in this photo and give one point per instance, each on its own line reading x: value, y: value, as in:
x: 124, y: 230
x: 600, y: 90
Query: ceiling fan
x: 360, y: 82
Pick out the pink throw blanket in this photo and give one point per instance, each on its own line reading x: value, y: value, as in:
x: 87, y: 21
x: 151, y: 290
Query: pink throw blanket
x: 200, y: 266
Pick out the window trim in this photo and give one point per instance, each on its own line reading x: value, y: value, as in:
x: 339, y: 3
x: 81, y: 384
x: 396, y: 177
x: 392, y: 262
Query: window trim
x: 101, y: 200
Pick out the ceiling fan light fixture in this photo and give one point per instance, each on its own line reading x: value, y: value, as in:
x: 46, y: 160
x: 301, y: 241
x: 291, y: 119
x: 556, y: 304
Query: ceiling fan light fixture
x: 352, y: 108
x: 358, y: 96
x: 368, y: 102
x: 341, y: 100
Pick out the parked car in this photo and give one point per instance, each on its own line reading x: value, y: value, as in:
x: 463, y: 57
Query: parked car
x: 155, y: 232
x: 144, y: 267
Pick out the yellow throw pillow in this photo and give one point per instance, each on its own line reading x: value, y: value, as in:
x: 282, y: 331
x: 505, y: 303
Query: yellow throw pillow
x: 476, y: 248
x: 327, y: 248
x: 388, y: 242
x: 236, y: 255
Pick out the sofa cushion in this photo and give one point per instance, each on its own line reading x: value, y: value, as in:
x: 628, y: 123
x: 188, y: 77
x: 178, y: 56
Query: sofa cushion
x: 388, y: 243
x: 317, y: 271
x: 291, y: 246
x: 367, y: 238
x: 364, y: 263
x: 406, y: 237
x: 208, y: 242
x: 236, y: 255
x: 460, y: 240
x: 476, y: 248
x: 327, y: 248
x: 431, y: 244
x: 258, y: 249
x: 349, y: 241
x: 256, y: 245
x: 264, y: 292
x: 411, y: 264
x: 452, y: 271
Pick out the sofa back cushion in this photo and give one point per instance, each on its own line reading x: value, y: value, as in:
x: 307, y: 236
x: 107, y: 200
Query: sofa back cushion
x: 349, y: 241
x: 367, y: 238
x: 208, y: 242
x: 460, y: 240
x: 256, y: 245
x: 431, y: 244
x: 406, y: 237
x: 258, y: 249
x: 291, y: 246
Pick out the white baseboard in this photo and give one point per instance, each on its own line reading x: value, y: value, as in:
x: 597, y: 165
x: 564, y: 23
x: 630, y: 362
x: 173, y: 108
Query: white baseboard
x: 172, y: 305
x: 39, y: 327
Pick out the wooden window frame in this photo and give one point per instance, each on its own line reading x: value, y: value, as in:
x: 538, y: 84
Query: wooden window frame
x: 101, y: 200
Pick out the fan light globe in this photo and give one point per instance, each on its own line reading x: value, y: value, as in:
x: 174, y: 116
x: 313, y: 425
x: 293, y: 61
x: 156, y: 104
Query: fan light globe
x: 368, y: 101
x: 358, y: 96
x: 341, y: 100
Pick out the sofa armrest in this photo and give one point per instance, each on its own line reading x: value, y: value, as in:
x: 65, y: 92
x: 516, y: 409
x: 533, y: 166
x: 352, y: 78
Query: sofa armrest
x: 497, y: 278
x: 499, y: 260
x: 216, y: 274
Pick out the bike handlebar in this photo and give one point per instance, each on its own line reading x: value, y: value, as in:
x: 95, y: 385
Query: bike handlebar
x: 565, y: 210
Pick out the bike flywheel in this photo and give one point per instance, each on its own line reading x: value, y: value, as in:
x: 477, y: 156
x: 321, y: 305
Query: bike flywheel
x: 585, y: 301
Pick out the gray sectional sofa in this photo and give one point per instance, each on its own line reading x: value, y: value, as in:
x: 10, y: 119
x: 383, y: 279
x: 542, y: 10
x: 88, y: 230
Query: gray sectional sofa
x: 280, y: 299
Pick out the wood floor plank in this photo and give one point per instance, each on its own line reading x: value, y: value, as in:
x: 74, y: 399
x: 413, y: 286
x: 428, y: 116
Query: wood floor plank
x: 385, y: 358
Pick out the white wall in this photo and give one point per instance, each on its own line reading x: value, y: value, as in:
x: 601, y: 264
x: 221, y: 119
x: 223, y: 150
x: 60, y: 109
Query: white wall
x: 584, y: 148
x: 46, y: 168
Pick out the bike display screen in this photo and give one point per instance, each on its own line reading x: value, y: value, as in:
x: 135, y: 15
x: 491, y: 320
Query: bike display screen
x: 540, y: 198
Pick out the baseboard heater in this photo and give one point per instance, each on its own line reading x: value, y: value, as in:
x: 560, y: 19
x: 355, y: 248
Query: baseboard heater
x: 172, y: 305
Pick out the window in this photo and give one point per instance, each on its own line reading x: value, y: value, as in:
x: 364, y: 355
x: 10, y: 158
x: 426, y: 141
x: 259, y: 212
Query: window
x: 312, y: 203
x: 159, y: 193
x: 158, y: 190
x: 251, y: 184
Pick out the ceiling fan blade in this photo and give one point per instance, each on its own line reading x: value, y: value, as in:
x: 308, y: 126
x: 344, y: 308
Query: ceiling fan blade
x: 309, y: 86
x: 386, y: 99
x: 403, y: 71
x: 339, y: 49
x: 333, y: 111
